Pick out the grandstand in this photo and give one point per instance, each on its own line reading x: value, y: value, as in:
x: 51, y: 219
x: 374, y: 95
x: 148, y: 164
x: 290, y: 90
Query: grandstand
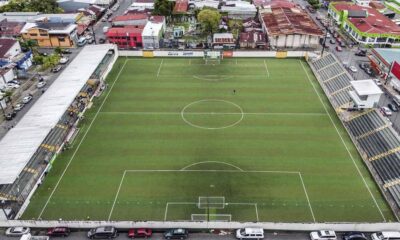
x: 373, y: 135
x: 43, y: 131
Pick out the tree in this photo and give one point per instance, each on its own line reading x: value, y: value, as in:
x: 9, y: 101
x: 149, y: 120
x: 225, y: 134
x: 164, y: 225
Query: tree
x: 50, y: 61
x: 163, y: 7
x: 44, y: 6
x: 209, y: 20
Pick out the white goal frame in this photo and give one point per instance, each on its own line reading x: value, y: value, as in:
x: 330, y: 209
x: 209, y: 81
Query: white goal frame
x: 212, y: 57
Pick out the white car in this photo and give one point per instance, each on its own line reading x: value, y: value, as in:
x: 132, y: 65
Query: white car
x: 27, y: 99
x: 353, y: 69
x: 12, y: 85
x: 378, y: 82
x: 18, y: 106
x: 64, y: 60
x: 386, y: 111
x: 17, y: 231
x: 323, y: 235
x: 41, y: 84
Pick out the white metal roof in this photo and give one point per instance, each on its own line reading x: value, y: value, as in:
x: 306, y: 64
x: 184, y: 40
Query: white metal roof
x: 19, y: 145
x: 152, y: 29
x: 366, y: 87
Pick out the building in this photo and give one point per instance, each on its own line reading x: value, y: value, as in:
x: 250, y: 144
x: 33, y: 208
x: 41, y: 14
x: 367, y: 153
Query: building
x: 51, y: 34
x: 365, y: 25
x: 74, y: 5
x: 223, y: 41
x: 237, y: 9
x: 252, y: 39
x: 12, y: 56
x: 288, y: 26
x: 10, y: 29
x: 142, y: 5
x: 137, y: 19
x: 127, y: 37
x: 366, y: 94
x: 181, y: 6
x: 6, y: 75
x: 381, y: 60
x: 152, y: 34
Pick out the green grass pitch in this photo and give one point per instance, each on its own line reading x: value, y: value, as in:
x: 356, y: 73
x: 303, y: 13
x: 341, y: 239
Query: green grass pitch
x: 258, y: 132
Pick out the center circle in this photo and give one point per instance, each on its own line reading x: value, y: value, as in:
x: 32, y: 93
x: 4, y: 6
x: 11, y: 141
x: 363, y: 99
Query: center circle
x: 212, y: 114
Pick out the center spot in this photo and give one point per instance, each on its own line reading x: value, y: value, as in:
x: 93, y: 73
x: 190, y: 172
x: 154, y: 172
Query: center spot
x: 212, y: 114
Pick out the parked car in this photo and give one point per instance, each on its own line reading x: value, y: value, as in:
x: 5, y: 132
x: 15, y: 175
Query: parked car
x: 323, y: 235
x: 102, y: 40
x: 81, y: 41
x: 12, y: 85
x: 176, y: 233
x: 332, y: 41
x: 15, y: 82
x: 63, y: 60
x: 106, y: 232
x: 385, y: 236
x: 311, y: 9
x: 56, y: 68
x: 58, y: 232
x: 361, y: 53
x: 27, y: 99
x: 353, y: 69
x: 342, y: 44
x: 354, y: 236
x: 17, y: 231
x: 66, y: 51
x: 11, y: 115
x: 369, y: 71
x: 393, y: 107
x: 18, y: 106
x: 363, y: 66
x: 41, y: 84
x: 339, y: 48
x: 378, y: 82
x: 140, y: 233
x: 386, y: 111
x: 250, y: 233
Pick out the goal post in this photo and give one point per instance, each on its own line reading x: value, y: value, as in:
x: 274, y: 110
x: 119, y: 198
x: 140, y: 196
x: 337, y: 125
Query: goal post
x: 211, y: 217
x: 211, y: 202
x: 212, y: 57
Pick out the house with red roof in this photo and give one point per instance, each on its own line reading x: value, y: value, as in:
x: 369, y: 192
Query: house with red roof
x: 127, y: 37
x: 286, y: 25
x: 130, y: 19
x: 365, y: 25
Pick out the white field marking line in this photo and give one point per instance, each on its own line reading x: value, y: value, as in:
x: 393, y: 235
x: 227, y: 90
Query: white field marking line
x: 308, y: 199
x: 82, y: 139
x: 214, y: 113
x: 116, y: 195
x: 195, y: 203
x: 197, y: 163
x: 159, y: 68
x: 266, y: 68
x: 341, y: 138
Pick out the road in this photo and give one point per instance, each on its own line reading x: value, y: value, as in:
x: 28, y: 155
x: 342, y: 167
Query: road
x: 194, y: 236
x: 49, y: 78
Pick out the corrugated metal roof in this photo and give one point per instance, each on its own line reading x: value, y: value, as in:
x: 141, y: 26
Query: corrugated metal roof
x: 19, y: 145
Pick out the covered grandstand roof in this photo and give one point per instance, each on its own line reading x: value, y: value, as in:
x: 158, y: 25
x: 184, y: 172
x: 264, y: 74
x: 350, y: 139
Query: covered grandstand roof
x: 19, y: 145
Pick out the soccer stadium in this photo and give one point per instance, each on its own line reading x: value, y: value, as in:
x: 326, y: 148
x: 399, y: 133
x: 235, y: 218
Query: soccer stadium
x: 233, y: 139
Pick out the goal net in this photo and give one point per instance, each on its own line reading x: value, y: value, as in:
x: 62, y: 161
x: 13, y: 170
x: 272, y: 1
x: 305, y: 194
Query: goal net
x: 212, y: 57
x: 211, y: 202
x: 211, y: 217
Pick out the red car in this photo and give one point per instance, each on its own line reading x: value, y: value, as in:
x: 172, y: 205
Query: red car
x: 139, y: 233
x: 58, y: 232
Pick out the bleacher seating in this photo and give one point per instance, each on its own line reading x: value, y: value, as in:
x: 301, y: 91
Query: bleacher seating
x: 377, y: 141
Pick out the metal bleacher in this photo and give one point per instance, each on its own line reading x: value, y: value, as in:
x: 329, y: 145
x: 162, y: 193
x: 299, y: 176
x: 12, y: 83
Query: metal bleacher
x: 373, y: 135
x: 334, y: 79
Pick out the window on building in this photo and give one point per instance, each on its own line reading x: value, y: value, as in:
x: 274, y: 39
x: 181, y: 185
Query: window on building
x: 134, y: 39
x: 60, y: 39
x: 44, y: 35
x: 33, y: 34
x: 381, y: 39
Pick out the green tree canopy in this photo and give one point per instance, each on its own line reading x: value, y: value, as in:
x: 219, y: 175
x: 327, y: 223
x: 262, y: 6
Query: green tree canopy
x: 44, y: 6
x: 209, y: 20
x: 163, y: 7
